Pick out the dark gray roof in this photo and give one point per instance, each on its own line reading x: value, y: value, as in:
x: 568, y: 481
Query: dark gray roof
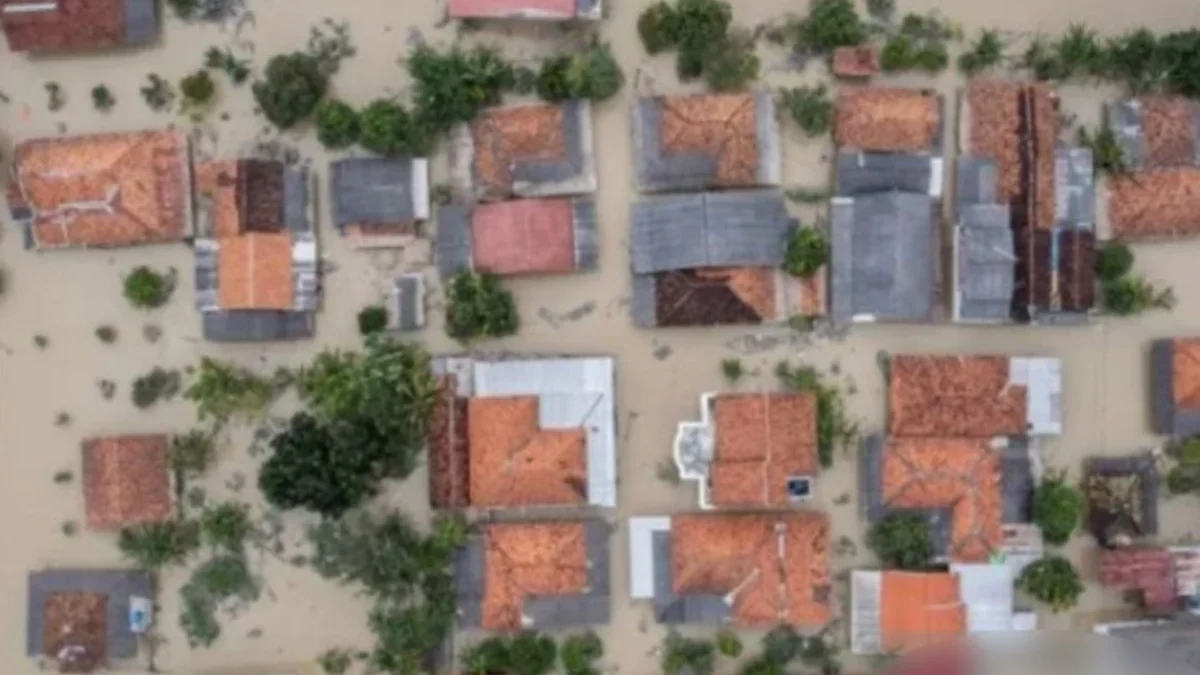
x: 643, y: 302
x: 410, y: 302
x: 118, y: 585
x: 372, y: 190
x: 453, y: 248
x: 1074, y: 188
x: 864, y: 173
x: 587, y: 241
x: 141, y: 21
x: 700, y: 608
x: 713, y: 229
x: 1177, y: 640
x: 1016, y: 483
x: 296, y: 212
x: 1167, y: 418
x: 977, y: 181
x: 884, y: 254
x: 258, y: 325
x: 985, y: 260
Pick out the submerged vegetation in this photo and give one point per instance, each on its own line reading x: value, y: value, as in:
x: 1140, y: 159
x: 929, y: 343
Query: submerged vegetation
x: 706, y: 41
x: 1126, y: 293
x: 147, y: 289
x: 902, y: 541
x: 807, y: 252
x: 810, y: 108
x: 478, y: 306
x: 834, y: 426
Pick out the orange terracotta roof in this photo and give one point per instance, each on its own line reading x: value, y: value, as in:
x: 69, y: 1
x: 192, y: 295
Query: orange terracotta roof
x: 754, y: 286
x: 218, y: 181
x: 855, y: 62
x: 955, y: 396
x: 722, y: 126
x: 961, y: 474
x: 778, y: 564
x: 1155, y: 204
x: 522, y: 560
x: 514, y: 462
x: 886, y: 119
x: 919, y: 609
x: 254, y: 271
x: 761, y: 440
x: 505, y: 136
x: 106, y: 189
x: 71, y: 25
x: 1169, y: 123
x: 1185, y: 373
x: 126, y: 481
x: 524, y: 236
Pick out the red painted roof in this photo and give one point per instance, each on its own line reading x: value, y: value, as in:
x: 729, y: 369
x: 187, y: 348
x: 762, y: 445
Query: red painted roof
x: 465, y: 9
x: 526, y: 236
x: 1148, y: 570
x: 72, y: 24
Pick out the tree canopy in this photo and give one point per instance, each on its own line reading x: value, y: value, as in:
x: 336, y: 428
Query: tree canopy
x: 388, y: 128
x: 337, y: 124
x: 1057, y: 508
x: 453, y: 86
x: 479, y: 307
x: 291, y: 88
x: 1052, y: 580
x: 902, y: 540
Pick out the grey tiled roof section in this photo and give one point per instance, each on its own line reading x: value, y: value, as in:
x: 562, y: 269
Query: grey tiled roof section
x: 1016, y: 484
x: 985, y: 260
x: 883, y: 257
x: 1074, y: 188
x: 977, y: 181
x: 706, y: 609
x: 141, y: 21
x: 118, y: 585
x: 587, y: 244
x: 258, y: 325
x: 410, y: 302
x: 713, y: 229
x: 205, y: 253
x: 1177, y: 640
x: 296, y: 212
x: 1162, y: 385
x: 372, y: 190
x: 863, y: 173
x: 305, y: 278
x: 643, y: 303
x: 597, y: 537
x: 1125, y: 118
x: 469, y: 581
x: 453, y: 240
x: 559, y: 170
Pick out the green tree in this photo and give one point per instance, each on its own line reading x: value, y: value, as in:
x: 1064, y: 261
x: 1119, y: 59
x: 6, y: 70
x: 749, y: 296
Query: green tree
x: 478, y: 306
x: 733, y: 64
x: 452, y: 87
x: 372, y: 319
x: 223, y: 390
x: 729, y: 644
x: 986, y: 51
x: 387, y: 128
x: 658, y: 26
x: 102, y: 98
x: 1107, y: 155
x: 1131, y: 295
x: 147, y: 289
x: 191, y: 454
x: 157, y: 93
x: 291, y: 88
x: 198, y: 88
x: 156, y: 545
x: 807, y: 252
x: 733, y: 370
x: 1057, y: 508
x: 226, y: 526
x: 1113, y: 261
x: 810, y: 108
x: 902, y: 540
x: 782, y: 644
x: 337, y: 124
x: 225, y: 576
x: 157, y: 385
x: 1052, y: 580
x: 1183, y: 479
x: 580, y: 652
x: 309, y: 468
x: 490, y: 655
x: 592, y: 74
x: 687, y: 655
x: 830, y: 24
x: 532, y: 654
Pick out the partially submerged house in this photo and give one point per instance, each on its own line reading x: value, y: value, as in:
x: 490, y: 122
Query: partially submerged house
x: 380, y: 201
x: 706, y: 141
x: 744, y: 569
x: 714, y: 258
x: 884, y: 219
x: 1159, y: 198
x: 1122, y: 497
x: 1025, y: 231
x: 538, y: 10
x: 1145, y: 572
x: 538, y: 150
x: 103, y: 190
x: 257, y: 275
x: 520, y: 432
x: 534, y: 575
x: 84, y: 619
x: 523, y: 236
x: 77, y: 25
x: 1175, y: 386
x: 751, y: 450
x: 127, y: 481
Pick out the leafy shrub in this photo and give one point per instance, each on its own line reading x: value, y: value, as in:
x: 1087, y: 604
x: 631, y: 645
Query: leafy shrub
x: 335, y: 661
x: 687, y: 655
x: 658, y: 26
x: 102, y: 98
x: 157, y: 385
x: 454, y: 86
x: 1052, y: 580
x: 198, y: 89
x: 1187, y: 451
x: 782, y: 645
x: 834, y: 427
x: 309, y: 468
x: 1113, y: 261
x: 226, y: 526
x: 592, y: 74
x: 701, y: 24
x: 1183, y: 479
x: 986, y: 51
x: 157, y: 93
x: 902, y: 540
x: 337, y: 124
x: 733, y: 64
x: 729, y: 644
x: 147, y: 289
x: 387, y: 128
x: 1107, y: 155
x: 184, y: 9
x: 372, y: 319
x: 532, y: 654
x: 223, y: 60
x: 191, y: 454
x: 490, y: 655
x: 479, y: 307
x: 1136, y: 59
x: 807, y: 252
x: 902, y: 52
x: 733, y: 370
x: 222, y: 577
x: 155, y: 545
x: 1131, y: 295
x: 106, y: 334
x: 1057, y: 508
x: 579, y: 652
x: 222, y: 390
x: 810, y: 108
x: 830, y: 24
x: 881, y: 9
x: 291, y: 88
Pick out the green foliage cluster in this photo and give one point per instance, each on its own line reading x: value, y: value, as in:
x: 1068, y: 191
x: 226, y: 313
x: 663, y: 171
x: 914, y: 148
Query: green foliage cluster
x: 1113, y: 261
x: 1184, y: 477
x: 1057, y: 508
x: 155, y: 545
x: 198, y: 89
x: 902, y: 540
x: 708, y: 44
x: 830, y: 24
x: 525, y: 654
x: 191, y: 454
x: 478, y: 306
x: 1107, y: 156
x: 810, y: 108
x: 807, y: 252
x: 157, y: 385
x: 688, y: 655
x: 729, y: 644
x: 145, y: 288
x: 733, y: 370
x: 388, y: 128
x: 226, y: 526
x: 453, y: 86
x: 834, y: 427
x: 184, y: 9
x: 221, y: 578
x: 591, y: 74
x: 102, y: 98
x: 335, y: 661
x: 224, y: 390
x: 1052, y: 580
x: 580, y: 652
x: 985, y: 51
x: 1126, y: 293
x: 225, y: 61
x: 373, y: 319
x: 157, y: 93
x: 338, y: 124
x: 1139, y: 58
x: 783, y: 645
x: 919, y: 44
x: 290, y: 89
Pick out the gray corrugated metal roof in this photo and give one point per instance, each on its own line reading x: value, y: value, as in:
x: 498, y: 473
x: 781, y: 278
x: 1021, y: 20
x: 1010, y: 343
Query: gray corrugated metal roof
x: 141, y: 21
x: 712, y: 229
x: 864, y: 173
x: 257, y: 325
x: 587, y: 243
x: 1162, y: 386
x: 643, y: 302
x: 372, y: 190
x: 410, y: 302
x: 117, y: 585
x: 296, y: 200
x: 1016, y: 481
x: 453, y: 251
x: 470, y: 574
x: 977, y: 180
x: 1125, y: 118
x: 986, y: 259
x: 1074, y: 188
x: 205, y: 254
x: 870, y: 476
x: 883, y: 257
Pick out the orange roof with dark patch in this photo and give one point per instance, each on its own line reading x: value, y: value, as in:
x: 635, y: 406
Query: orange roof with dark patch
x: 255, y: 272
x: 514, y: 462
x: 969, y: 396
x: 721, y: 126
x: 506, y: 136
x: 126, y: 481
x: 106, y: 189
x: 886, y: 119
x: 919, y: 609
x: 523, y: 560
x: 761, y: 440
x: 775, y: 565
x: 524, y: 236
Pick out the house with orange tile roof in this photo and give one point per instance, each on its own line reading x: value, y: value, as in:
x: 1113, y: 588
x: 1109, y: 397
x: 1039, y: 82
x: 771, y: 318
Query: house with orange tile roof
x: 127, y: 481
x: 1175, y: 386
x: 534, y: 575
x: 714, y: 258
x: 77, y: 25
x: 707, y: 141
x: 888, y: 119
x: 537, y: 10
x: 855, y: 63
x: 256, y: 258
x: 523, y: 432
x: 553, y: 235
x: 743, y: 569
x: 102, y: 190
x: 528, y: 150
x: 750, y: 449
x: 380, y: 202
